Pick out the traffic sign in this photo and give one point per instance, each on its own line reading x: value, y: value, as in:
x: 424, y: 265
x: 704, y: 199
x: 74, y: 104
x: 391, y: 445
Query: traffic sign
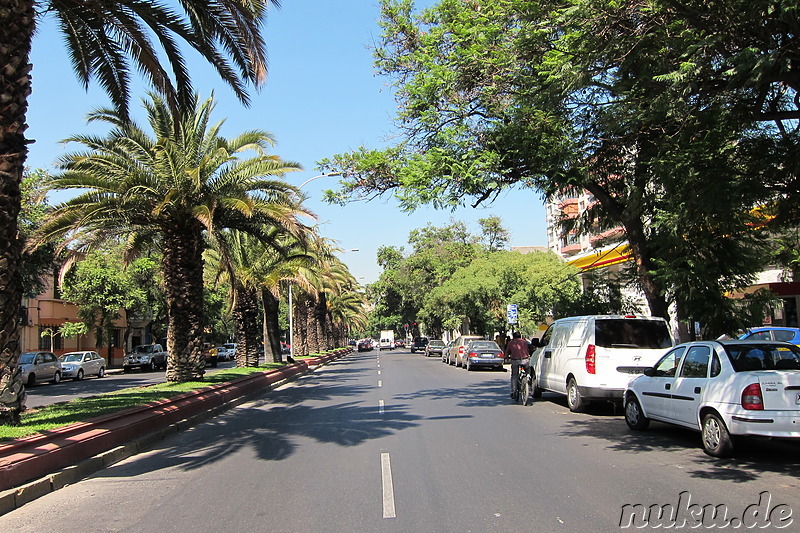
x: 511, y: 313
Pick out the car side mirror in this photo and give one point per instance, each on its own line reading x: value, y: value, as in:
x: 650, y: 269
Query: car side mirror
x: 650, y: 372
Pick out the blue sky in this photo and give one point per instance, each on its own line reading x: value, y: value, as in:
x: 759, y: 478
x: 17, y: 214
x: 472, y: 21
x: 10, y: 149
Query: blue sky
x: 322, y: 97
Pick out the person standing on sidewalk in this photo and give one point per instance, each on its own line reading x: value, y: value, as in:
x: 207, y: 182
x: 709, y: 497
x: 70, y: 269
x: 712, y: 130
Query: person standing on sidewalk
x: 517, y: 351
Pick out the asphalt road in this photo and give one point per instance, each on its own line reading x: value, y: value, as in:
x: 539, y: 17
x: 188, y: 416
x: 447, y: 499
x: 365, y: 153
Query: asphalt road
x: 397, y: 442
x: 48, y: 393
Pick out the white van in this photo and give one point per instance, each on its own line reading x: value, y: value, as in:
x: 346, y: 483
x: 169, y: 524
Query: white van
x: 594, y: 357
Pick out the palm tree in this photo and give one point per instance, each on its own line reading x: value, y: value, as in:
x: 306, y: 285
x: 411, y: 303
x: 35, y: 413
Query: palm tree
x: 252, y: 266
x: 103, y: 39
x: 179, y: 188
x: 316, y: 307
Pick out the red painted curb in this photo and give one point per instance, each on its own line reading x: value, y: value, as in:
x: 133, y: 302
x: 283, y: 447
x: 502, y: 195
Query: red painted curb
x: 38, y: 455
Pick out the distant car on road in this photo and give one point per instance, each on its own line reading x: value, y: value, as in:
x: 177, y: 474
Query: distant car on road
x: 364, y: 345
x: 482, y: 353
x: 454, y: 355
x: 39, y: 366
x: 419, y: 344
x: 722, y: 389
x: 77, y: 365
x: 434, y: 347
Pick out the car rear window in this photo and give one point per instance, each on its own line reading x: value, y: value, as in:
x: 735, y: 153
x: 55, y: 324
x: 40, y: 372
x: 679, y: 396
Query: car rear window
x: 631, y: 333
x: 484, y: 345
x: 747, y: 357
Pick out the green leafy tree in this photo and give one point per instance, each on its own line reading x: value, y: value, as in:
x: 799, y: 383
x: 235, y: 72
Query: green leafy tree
x: 105, y: 41
x: 180, y: 188
x: 495, y: 235
x: 563, y: 97
x: 101, y: 287
x: 399, y: 294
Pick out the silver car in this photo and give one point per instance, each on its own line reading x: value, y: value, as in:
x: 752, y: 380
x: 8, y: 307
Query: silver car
x: 39, y: 366
x: 76, y: 365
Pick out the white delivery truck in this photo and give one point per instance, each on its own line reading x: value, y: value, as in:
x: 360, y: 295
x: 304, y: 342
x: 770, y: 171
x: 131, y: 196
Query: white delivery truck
x: 387, y: 340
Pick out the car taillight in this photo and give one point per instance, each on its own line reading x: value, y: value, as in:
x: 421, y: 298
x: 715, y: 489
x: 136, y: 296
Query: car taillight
x: 752, y: 399
x: 590, y: 359
x: 472, y: 354
x: 461, y: 350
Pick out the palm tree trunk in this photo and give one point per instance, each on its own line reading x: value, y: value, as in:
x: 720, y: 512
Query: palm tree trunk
x: 272, y: 330
x: 183, y: 283
x: 16, y: 34
x: 245, y: 315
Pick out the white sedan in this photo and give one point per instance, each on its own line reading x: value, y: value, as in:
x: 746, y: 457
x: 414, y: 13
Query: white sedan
x: 721, y: 388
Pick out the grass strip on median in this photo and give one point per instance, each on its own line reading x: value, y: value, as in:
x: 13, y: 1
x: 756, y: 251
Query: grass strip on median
x: 82, y: 409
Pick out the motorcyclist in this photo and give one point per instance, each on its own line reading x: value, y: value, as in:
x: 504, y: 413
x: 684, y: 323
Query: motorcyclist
x: 517, y: 351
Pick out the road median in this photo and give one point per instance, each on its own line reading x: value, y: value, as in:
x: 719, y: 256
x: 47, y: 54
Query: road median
x: 33, y: 466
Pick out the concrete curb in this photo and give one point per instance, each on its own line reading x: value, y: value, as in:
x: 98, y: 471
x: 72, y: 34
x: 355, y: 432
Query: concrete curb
x: 37, y: 465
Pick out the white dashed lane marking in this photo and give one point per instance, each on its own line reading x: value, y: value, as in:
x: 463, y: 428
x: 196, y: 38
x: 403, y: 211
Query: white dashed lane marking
x: 388, y: 487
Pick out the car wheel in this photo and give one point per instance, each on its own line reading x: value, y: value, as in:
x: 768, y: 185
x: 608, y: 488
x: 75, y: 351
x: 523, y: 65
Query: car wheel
x: 151, y: 366
x: 634, y: 416
x: 79, y: 375
x: 57, y: 377
x: 575, y: 403
x: 126, y: 369
x: 536, y: 391
x: 102, y: 372
x: 716, y: 439
x: 31, y: 379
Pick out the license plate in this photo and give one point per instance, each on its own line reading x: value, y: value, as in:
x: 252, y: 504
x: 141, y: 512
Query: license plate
x: 487, y: 355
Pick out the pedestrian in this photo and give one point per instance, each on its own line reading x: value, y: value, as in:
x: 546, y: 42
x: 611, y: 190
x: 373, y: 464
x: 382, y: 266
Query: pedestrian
x: 517, y: 351
x: 501, y: 341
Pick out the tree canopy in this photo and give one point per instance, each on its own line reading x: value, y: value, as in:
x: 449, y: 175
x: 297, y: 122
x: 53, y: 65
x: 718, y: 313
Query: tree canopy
x: 646, y: 105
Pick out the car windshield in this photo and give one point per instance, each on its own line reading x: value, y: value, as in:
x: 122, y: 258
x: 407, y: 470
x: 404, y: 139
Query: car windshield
x: 144, y: 349
x: 72, y: 357
x: 484, y: 345
x: 747, y: 357
x: 436, y: 344
x: 230, y: 346
x: 631, y: 333
x: 27, y: 358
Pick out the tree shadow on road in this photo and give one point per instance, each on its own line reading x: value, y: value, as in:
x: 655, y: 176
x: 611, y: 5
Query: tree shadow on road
x: 488, y: 393
x: 274, y: 425
x: 753, y: 456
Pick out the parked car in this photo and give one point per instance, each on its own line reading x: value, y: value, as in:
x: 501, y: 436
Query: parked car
x: 435, y: 346
x: 77, y: 365
x: 231, y: 347
x: 399, y: 343
x: 723, y: 389
x: 483, y: 354
x: 773, y: 333
x: 146, y: 357
x: 419, y: 344
x: 39, y: 366
x: 455, y: 353
x: 223, y: 354
x: 594, y: 357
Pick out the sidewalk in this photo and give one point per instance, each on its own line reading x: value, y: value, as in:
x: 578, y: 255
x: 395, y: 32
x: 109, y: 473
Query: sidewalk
x: 34, y: 466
